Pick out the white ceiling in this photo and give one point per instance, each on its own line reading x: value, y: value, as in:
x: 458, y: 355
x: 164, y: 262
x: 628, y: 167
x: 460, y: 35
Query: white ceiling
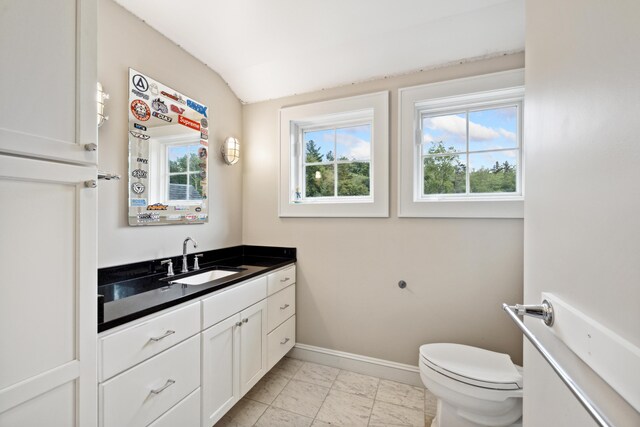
x: 267, y: 49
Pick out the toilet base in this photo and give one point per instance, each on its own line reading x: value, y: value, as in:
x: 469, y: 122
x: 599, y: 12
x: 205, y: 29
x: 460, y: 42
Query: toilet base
x: 447, y: 416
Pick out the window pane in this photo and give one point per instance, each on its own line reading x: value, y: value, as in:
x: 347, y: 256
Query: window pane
x: 493, y: 129
x: 353, y: 179
x: 177, y: 158
x: 444, y: 134
x: 178, y: 187
x: 354, y: 143
x: 195, y: 187
x: 319, y: 146
x: 493, y: 172
x: 319, y: 181
x: 445, y: 174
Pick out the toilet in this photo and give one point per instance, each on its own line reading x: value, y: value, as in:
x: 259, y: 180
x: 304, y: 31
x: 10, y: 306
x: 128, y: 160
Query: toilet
x: 474, y: 387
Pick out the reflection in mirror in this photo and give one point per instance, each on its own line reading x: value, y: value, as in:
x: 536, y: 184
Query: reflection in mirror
x: 168, y: 150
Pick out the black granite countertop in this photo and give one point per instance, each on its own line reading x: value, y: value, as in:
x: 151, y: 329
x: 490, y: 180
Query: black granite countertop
x: 131, y: 291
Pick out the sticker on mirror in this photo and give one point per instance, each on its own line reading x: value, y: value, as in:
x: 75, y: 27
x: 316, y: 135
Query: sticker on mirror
x: 202, y: 153
x: 159, y: 105
x: 157, y: 207
x: 203, y: 142
x: 204, y: 122
x: 148, y: 217
x: 139, y: 203
x: 140, y: 83
x: 137, y: 187
x: 177, y: 109
x: 197, y: 107
x: 139, y: 126
x: 153, y: 88
x: 139, y: 135
x: 139, y: 173
x: 140, y: 94
x: 191, y: 217
x: 188, y: 122
x: 142, y: 160
x: 180, y: 208
x: 175, y: 96
x: 162, y: 117
x: 173, y: 217
x: 140, y: 110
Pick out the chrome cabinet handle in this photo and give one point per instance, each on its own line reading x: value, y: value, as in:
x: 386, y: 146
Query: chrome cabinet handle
x: 245, y: 320
x: 161, y: 337
x: 284, y: 307
x: 238, y: 323
x: 286, y: 340
x: 168, y: 384
x: 286, y: 279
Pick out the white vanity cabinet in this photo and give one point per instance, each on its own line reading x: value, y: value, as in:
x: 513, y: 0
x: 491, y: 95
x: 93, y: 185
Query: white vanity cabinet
x: 150, y: 370
x: 200, y: 356
x: 281, y: 311
x: 234, y: 350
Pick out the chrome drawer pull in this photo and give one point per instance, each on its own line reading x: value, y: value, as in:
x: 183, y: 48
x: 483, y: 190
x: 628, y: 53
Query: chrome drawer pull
x: 286, y: 279
x: 245, y: 320
x: 286, y: 340
x: 284, y: 307
x: 238, y: 323
x: 168, y: 384
x: 166, y: 334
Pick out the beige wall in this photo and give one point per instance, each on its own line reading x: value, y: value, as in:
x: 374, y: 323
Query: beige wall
x: 124, y: 41
x: 458, y: 271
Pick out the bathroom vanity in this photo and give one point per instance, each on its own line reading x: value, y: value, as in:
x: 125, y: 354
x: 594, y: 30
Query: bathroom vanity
x: 172, y: 353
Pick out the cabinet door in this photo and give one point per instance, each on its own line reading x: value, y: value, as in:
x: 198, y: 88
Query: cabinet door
x: 220, y: 369
x: 48, y: 66
x: 48, y: 295
x: 253, y: 345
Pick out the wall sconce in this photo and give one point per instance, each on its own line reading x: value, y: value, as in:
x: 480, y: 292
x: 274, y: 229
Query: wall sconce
x: 100, y: 98
x: 230, y: 150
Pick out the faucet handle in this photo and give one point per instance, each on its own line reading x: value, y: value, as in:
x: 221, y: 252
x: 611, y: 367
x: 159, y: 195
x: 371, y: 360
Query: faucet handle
x: 170, y: 268
x: 195, y: 261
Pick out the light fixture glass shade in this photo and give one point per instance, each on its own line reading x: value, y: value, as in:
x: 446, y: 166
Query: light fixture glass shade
x: 230, y: 150
x: 100, y: 98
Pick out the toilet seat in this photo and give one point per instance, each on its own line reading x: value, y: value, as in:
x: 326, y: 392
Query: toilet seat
x: 472, y: 366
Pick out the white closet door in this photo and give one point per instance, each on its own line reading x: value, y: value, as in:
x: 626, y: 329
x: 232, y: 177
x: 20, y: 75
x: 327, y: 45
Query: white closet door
x: 48, y: 85
x: 48, y: 292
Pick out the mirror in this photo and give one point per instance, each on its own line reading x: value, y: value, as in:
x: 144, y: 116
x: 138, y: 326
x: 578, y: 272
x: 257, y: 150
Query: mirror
x: 168, y: 150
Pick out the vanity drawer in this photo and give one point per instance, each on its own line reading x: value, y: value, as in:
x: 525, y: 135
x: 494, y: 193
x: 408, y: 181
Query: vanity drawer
x: 280, y: 341
x: 281, y: 306
x: 141, y: 394
x: 230, y: 301
x: 281, y: 279
x: 184, y: 414
x: 126, y: 348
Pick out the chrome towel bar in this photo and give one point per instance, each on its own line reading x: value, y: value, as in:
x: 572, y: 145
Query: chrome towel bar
x: 545, y: 313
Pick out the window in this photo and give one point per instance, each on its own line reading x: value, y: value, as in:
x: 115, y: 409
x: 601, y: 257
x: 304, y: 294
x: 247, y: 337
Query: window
x: 184, y: 175
x: 461, y: 148
x: 334, y: 158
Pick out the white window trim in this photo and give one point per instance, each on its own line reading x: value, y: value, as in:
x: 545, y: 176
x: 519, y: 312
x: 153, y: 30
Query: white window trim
x: 507, y: 86
x: 294, y: 119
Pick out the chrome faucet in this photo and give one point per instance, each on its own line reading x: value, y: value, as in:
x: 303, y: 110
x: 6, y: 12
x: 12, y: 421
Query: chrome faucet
x: 185, y: 267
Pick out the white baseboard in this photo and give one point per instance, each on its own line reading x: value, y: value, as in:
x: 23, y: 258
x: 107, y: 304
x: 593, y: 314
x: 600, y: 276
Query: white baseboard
x: 380, y: 368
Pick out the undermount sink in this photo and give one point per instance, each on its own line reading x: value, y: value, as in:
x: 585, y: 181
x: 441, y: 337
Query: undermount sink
x: 202, y: 278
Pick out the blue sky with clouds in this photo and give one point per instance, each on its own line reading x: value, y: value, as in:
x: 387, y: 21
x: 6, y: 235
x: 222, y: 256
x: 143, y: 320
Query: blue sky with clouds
x: 490, y: 129
x: 353, y: 142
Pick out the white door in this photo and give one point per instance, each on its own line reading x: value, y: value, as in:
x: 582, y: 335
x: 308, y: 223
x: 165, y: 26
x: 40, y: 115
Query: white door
x: 253, y: 346
x: 48, y: 303
x: 220, y: 369
x: 582, y: 209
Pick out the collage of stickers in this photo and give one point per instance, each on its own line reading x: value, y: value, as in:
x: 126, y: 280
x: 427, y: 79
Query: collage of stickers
x: 168, y: 155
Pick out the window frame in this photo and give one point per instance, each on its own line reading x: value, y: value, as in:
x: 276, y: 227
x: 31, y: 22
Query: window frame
x: 372, y: 109
x: 455, y: 96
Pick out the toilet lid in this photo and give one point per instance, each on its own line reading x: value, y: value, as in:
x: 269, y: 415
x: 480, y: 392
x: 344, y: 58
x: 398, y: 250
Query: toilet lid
x: 472, y: 365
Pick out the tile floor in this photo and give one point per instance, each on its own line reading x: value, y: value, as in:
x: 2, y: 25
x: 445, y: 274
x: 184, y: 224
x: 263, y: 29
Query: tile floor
x: 302, y: 394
